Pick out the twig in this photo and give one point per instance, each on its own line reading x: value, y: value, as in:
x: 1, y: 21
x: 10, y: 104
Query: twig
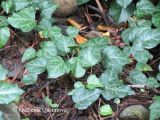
x: 101, y: 11
x: 26, y: 44
x: 137, y: 86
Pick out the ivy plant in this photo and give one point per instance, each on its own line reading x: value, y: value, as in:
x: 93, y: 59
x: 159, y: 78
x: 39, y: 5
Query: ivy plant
x: 59, y: 54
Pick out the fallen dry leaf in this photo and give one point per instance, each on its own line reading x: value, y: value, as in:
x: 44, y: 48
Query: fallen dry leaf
x: 74, y: 23
x: 80, y: 39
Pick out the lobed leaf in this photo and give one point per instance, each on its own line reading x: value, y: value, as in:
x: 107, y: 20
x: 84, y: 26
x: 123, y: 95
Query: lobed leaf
x: 24, y: 19
x: 9, y: 92
x: 29, y: 53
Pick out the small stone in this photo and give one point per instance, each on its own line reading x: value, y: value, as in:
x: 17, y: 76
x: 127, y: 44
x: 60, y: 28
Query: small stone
x: 134, y: 112
x: 65, y: 8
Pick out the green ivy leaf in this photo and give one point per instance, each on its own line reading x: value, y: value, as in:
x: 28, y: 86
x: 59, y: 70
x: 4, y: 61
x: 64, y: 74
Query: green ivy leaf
x: 7, y: 5
x: 9, y: 93
x: 56, y: 67
x: 29, y: 53
x: 72, y: 31
x: 144, y: 36
x: 155, y: 108
x: 97, y: 43
x: 50, y: 102
x: 114, y: 88
x: 93, y: 82
x: 1, y: 118
x: 79, y: 84
x: 120, y: 14
x: 144, y: 8
x: 47, y: 7
x: 4, y: 36
x: 24, y: 19
x: 89, y: 57
x: 44, y: 26
x: 142, y: 56
x: 63, y: 43
x: 20, y: 4
x: 106, y: 110
x: 3, y: 21
x: 114, y: 57
x: 156, y: 20
x: 109, y: 75
x: 138, y: 78
x: 124, y: 3
x: 80, y: 2
x: 48, y: 50
x: 83, y: 98
x: 52, y: 32
x: 3, y: 73
x: 76, y: 69
x: 158, y: 76
x: 143, y: 67
x: 37, y: 65
x: 30, y: 78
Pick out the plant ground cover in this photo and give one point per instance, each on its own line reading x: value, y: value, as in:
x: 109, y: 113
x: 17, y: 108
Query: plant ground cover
x: 94, y: 64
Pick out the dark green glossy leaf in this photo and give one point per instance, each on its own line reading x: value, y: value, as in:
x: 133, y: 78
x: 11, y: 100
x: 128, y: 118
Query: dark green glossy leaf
x: 4, y: 36
x: 24, y: 19
x: 9, y: 92
x: 56, y: 67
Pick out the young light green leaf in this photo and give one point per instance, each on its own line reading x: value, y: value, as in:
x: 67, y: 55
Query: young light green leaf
x: 117, y: 101
x: 89, y: 57
x: 50, y: 102
x: 29, y: 53
x: 48, y: 50
x: 106, y: 110
x: 156, y: 20
x: 138, y: 78
x: 56, y: 67
x: 24, y: 19
x: 144, y: 7
x: 124, y: 3
x: 48, y: 7
x: 76, y: 69
x: 72, y: 31
x: 120, y: 14
x: 9, y: 92
x: 114, y: 57
x: 3, y: 73
x: 30, y: 78
x: 93, y: 82
x: 4, y: 36
x: 37, y: 66
x: 78, y: 84
x: 20, y: 4
x: 143, y: 67
x: 83, y: 98
x: 155, y: 108
x: 6, y: 5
